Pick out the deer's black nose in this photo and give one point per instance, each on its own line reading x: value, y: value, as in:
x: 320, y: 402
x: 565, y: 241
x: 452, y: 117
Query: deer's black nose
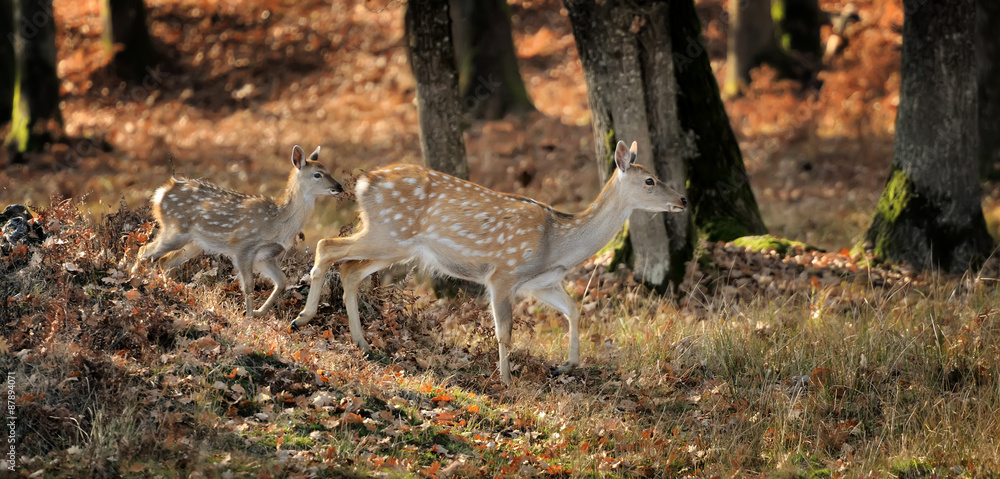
x: 684, y: 201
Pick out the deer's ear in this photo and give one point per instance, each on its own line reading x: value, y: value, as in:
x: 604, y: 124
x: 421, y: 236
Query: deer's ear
x: 633, y: 151
x: 315, y: 155
x: 623, y: 157
x: 298, y: 157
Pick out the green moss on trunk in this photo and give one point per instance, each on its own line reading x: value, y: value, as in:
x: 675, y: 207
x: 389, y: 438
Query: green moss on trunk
x: 908, y: 227
x: 6, y: 60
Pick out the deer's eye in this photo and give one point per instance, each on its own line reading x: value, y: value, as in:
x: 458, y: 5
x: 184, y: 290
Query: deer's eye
x: 317, y: 175
x: 650, y: 182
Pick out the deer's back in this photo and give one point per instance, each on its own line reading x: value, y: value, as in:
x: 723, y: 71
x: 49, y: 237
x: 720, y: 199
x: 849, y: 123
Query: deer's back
x: 451, y: 225
x: 220, y: 220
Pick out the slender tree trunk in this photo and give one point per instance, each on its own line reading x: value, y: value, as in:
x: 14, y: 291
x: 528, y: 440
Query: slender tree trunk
x: 6, y: 60
x: 125, y: 24
x: 929, y: 214
x: 719, y: 195
x: 782, y: 33
x: 988, y: 49
x: 35, y: 114
x: 751, y: 38
x: 799, y: 23
x: 625, y: 51
x: 489, y: 80
x: 432, y: 59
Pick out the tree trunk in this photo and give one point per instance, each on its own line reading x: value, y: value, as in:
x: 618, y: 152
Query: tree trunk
x: 432, y: 59
x: 489, y: 81
x: 625, y: 51
x: 750, y: 39
x: 988, y: 49
x: 125, y: 24
x: 719, y: 195
x: 6, y: 60
x: 929, y: 214
x: 782, y: 33
x: 35, y: 114
x: 799, y: 23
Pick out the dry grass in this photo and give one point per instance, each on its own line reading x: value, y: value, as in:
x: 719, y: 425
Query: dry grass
x: 158, y: 377
x: 154, y: 377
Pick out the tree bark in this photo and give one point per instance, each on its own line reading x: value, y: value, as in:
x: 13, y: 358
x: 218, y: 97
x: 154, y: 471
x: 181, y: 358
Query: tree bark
x: 750, y: 39
x: 988, y: 50
x: 6, y: 60
x: 489, y: 81
x: 35, y: 114
x: 125, y: 24
x: 929, y: 214
x: 719, y: 195
x: 625, y: 51
x: 782, y: 33
x: 432, y: 59
x: 799, y: 23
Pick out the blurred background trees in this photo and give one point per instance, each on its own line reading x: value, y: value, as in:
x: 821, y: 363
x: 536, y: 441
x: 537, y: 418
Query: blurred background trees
x: 29, y: 84
x: 782, y: 33
x: 32, y: 95
x: 490, y: 81
x: 126, y: 29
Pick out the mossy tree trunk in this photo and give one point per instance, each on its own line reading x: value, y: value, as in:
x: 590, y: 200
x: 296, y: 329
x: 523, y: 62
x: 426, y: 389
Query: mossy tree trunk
x: 782, y: 33
x: 489, y: 80
x: 125, y: 25
x: 720, y: 199
x: 929, y: 214
x: 35, y: 117
x: 988, y: 50
x: 798, y: 25
x: 625, y: 48
x: 6, y: 60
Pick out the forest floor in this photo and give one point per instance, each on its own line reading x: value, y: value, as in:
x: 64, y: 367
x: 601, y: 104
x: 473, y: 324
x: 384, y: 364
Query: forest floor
x: 800, y: 364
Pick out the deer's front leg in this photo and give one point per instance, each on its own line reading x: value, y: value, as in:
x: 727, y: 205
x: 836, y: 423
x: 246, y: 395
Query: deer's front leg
x: 556, y: 297
x: 503, y: 321
x: 326, y: 251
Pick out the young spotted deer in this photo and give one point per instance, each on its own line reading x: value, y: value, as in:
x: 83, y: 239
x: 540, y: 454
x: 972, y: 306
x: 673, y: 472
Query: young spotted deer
x: 197, y: 216
x: 509, y: 243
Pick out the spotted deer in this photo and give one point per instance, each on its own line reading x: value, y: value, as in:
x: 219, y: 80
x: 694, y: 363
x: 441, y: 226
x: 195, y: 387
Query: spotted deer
x: 196, y: 216
x: 509, y: 243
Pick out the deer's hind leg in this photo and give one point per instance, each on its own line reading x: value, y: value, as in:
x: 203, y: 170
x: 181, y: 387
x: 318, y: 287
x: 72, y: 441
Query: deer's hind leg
x: 178, y: 257
x: 244, y: 271
x: 556, y: 297
x: 160, y: 248
x: 269, y: 268
x: 503, y: 322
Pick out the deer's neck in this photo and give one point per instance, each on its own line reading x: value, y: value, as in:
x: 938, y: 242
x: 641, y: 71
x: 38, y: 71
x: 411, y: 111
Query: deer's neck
x: 578, y: 236
x: 293, y: 205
